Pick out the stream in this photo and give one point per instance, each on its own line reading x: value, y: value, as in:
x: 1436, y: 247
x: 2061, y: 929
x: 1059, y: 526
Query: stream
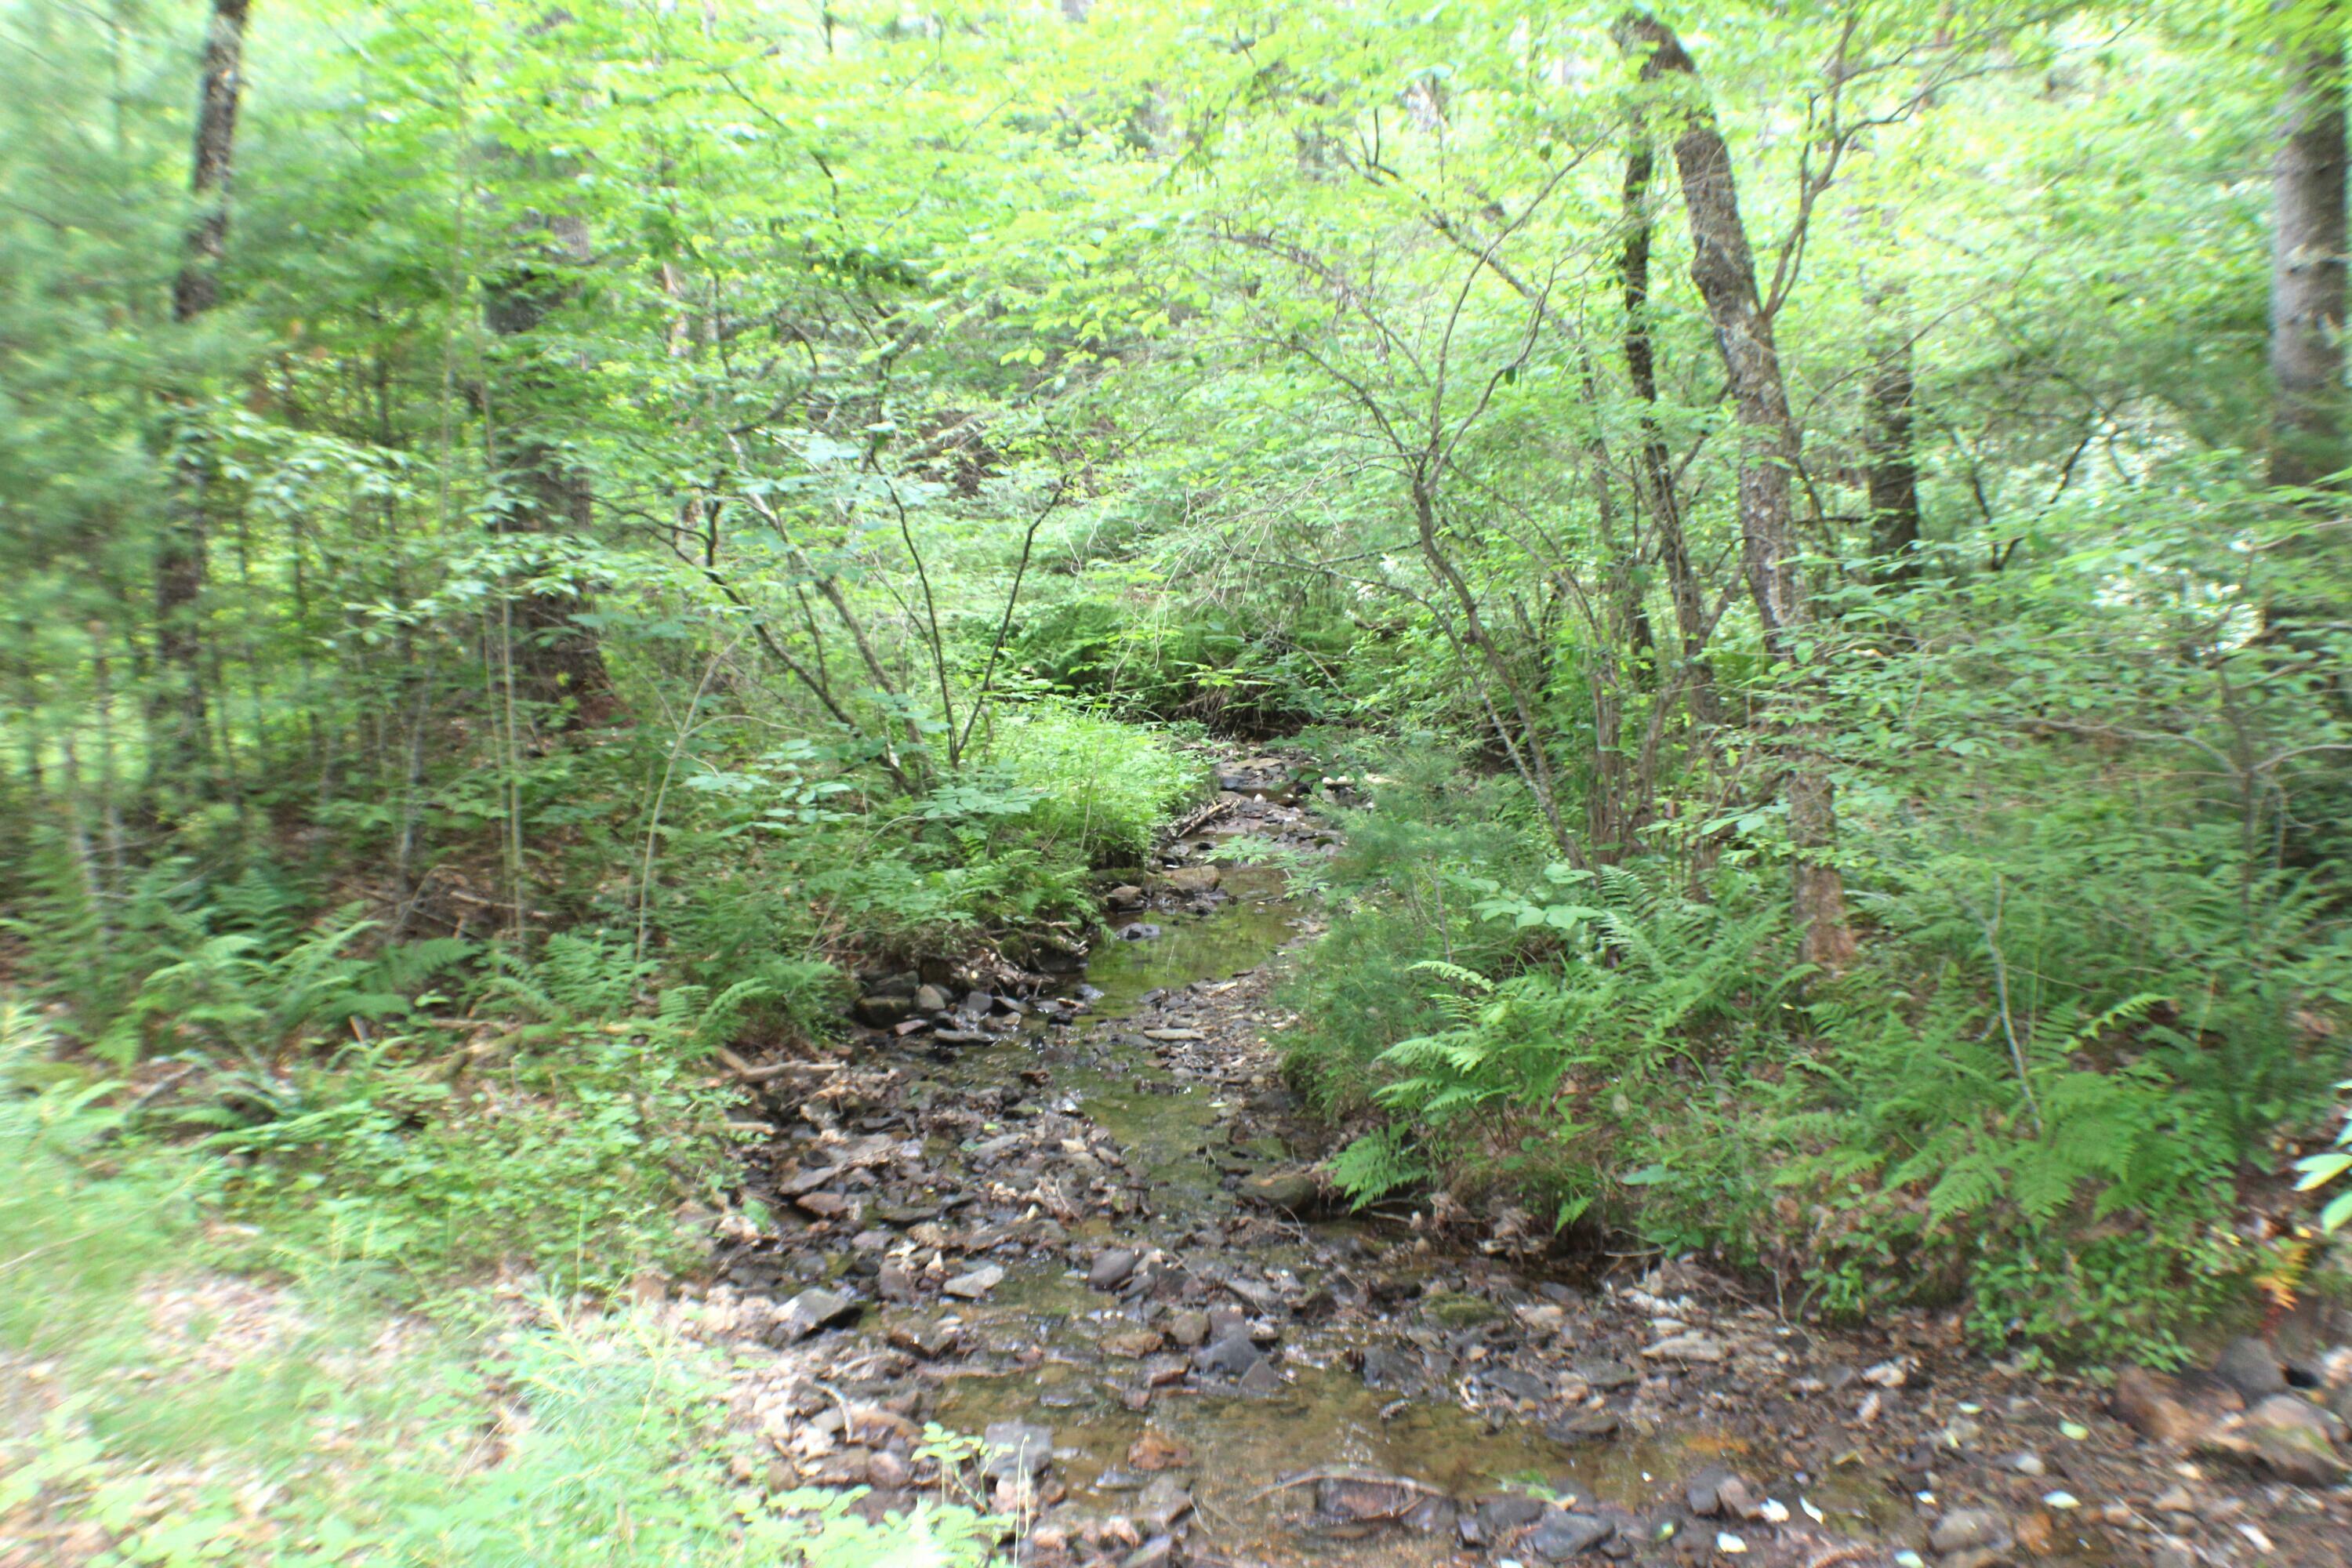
x: 1086, y: 1230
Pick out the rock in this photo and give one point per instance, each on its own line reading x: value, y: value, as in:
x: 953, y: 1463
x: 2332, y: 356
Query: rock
x: 2291, y: 1437
x: 1110, y: 1269
x: 1261, y: 1380
x: 1499, y: 1518
x: 2170, y: 1410
x: 1142, y: 930
x: 931, y: 999
x: 1541, y: 1320
x: 931, y: 1339
x: 824, y: 1205
x: 1190, y: 1328
x: 895, y: 1282
x: 1157, y: 1553
x: 1584, y: 1427
x: 2248, y: 1366
x: 2026, y: 1464
x: 1720, y: 1490
x: 1256, y: 1294
x: 1134, y: 1344
x: 1125, y: 897
x: 1194, y: 879
x: 1295, y: 1192
x: 1162, y: 1503
x: 1174, y: 1036
x: 1607, y: 1376
x: 1364, y: 1496
x: 882, y: 1012
x: 1965, y: 1532
x: 1387, y: 1367
x: 1232, y: 1356
x: 1017, y: 1449
x: 810, y: 1311
x: 979, y: 1282
x: 1559, y: 1535
x: 1690, y: 1347
x: 1513, y: 1384
x: 1456, y: 1309
x: 1157, y: 1451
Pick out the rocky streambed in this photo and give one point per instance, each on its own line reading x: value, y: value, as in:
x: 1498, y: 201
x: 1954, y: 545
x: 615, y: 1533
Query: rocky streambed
x: 1082, y: 1224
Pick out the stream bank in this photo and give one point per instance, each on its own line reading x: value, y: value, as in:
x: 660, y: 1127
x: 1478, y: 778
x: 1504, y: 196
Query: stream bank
x: 1085, y: 1227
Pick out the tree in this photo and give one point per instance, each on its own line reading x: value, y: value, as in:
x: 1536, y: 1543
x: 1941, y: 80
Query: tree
x: 177, y: 713
x: 1891, y: 479
x: 555, y: 656
x: 1656, y: 487
x: 1724, y: 268
x: 2307, y: 267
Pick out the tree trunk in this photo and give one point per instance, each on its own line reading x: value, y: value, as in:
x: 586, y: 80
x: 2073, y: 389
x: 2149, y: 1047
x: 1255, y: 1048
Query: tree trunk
x: 196, y: 288
x: 2308, y: 272
x: 1725, y: 270
x: 558, y: 663
x: 176, y: 718
x: 1891, y: 481
x: 1657, y: 465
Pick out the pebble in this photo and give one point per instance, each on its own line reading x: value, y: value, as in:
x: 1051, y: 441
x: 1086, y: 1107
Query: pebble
x: 1163, y: 1502
x: 1017, y: 1449
x: 1232, y: 1356
x: 1690, y: 1347
x: 1559, y: 1534
x: 1969, y: 1530
x: 979, y: 1282
x: 810, y: 1311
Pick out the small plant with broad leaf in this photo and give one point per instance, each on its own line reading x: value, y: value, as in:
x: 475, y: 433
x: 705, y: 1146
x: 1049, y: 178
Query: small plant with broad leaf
x: 2323, y: 1169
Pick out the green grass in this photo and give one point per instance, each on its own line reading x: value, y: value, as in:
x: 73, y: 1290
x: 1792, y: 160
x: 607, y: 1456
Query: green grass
x: 157, y: 1407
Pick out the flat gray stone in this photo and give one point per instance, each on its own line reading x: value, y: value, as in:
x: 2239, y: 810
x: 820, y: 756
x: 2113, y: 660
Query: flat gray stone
x: 979, y: 1282
x: 1559, y: 1534
x: 810, y: 1311
x: 2249, y: 1366
x: 1017, y: 1449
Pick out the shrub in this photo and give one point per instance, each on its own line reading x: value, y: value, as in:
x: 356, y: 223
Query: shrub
x: 1100, y: 789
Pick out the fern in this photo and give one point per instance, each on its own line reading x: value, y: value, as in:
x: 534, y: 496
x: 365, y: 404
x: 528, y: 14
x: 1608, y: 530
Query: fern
x: 1375, y: 1165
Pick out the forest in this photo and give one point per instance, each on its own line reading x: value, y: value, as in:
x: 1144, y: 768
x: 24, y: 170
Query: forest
x: 1175, y: 782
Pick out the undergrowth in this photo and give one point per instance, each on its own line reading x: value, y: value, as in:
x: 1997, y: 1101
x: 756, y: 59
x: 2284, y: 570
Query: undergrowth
x: 163, y: 1411
x: 2041, y: 1095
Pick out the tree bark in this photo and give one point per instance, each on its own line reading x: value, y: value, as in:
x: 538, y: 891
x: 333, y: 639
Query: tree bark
x: 1891, y: 483
x: 1724, y: 268
x: 176, y: 718
x: 1657, y: 465
x: 196, y: 288
x: 558, y: 662
x: 2308, y: 272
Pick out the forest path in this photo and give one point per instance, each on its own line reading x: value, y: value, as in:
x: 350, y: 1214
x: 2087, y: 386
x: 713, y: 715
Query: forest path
x: 1088, y: 1229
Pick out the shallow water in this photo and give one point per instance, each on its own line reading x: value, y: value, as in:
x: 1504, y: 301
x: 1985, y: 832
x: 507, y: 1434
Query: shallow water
x: 1172, y: 1130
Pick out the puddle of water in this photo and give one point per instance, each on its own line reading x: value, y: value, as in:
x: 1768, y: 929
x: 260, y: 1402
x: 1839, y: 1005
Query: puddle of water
x: 1164, y: 1123
x: 1323, y: 1418
x: 1239, y: 934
